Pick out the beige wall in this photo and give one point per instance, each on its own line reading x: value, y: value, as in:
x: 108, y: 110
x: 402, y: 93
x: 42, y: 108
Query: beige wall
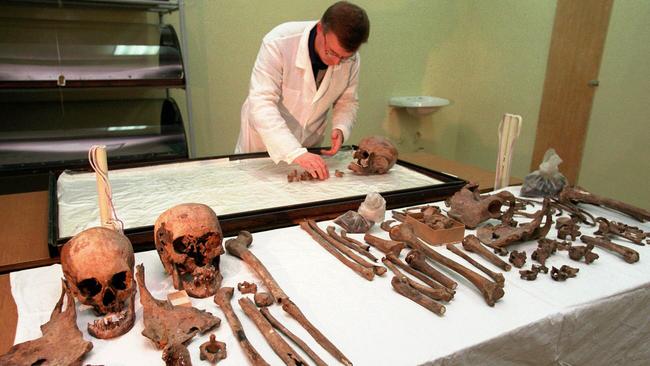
x: 616, y: 161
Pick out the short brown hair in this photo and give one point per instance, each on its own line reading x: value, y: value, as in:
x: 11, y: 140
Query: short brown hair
x: 349, y: 23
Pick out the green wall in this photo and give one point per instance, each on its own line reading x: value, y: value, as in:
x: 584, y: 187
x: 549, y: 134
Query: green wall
x: 617, y: 151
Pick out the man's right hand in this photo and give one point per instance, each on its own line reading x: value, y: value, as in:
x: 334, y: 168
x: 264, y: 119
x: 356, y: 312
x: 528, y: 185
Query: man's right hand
x: 314, y: 164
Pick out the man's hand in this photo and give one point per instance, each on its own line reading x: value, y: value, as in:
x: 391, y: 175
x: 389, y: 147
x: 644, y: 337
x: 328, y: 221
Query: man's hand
x: 314, y: 164
x: 337, y: 141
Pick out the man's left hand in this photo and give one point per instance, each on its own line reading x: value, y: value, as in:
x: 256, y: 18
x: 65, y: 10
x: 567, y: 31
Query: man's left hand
x: 337, y: 141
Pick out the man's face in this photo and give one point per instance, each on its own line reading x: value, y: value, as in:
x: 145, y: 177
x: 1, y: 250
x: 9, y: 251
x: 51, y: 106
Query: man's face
x: 330, y: 50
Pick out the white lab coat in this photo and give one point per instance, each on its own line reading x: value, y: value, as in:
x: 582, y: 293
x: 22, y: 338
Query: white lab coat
x: 284, y: 113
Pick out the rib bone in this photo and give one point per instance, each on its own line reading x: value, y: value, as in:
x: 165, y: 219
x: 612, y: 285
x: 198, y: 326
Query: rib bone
x: 222, y: 299
x: 473, y: 245
x: 570, y: 194
x: 490, y: 290
x: 629, y: 255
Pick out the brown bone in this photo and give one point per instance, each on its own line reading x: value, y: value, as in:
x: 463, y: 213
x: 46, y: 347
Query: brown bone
x: 362, y: 271
x: 294, y: 338
x: 577, y: 194
x: 441, y: 293
x: 490, y: 290
x: 344, y: 235
x: 468, y: 207
x: 61, y: 344
x: 385, y: 246
x: 331, y: 231
x: 222, y: 299
x: 497, y: 277
x: 166, y: 325
x: 288, y: 355
x: 213, y: 351
x: 504, y: 234
x: 416, y: 260
x: 378, y: 270
x: 239, y: 248
x: 401, y: 285
x: 629, y: 255
x: 631, y: 233
x: 473, y: 245
x: 420, y: 276
x: 263, y: 299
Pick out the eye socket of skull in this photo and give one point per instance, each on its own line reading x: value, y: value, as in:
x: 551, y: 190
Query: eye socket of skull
x: 89, y: 287
x: 118, y: 281
x: 181, y: 245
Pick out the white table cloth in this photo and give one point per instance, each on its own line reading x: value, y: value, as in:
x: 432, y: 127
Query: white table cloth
x: 601, y: 317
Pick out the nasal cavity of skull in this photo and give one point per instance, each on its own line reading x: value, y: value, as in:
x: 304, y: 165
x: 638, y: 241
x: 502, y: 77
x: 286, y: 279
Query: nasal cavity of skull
x: 109, y: 297
x: 118, y: 281
x: 89, y: 287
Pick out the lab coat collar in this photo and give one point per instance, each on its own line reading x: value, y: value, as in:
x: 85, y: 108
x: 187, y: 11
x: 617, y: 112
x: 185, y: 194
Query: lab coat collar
x: 302, y: 57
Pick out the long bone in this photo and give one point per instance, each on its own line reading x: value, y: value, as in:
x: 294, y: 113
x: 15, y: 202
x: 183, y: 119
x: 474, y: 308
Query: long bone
x: 294, y: 338
x: 239, y: 248
x: 378, y: 270
x: 385, y: 246
x: 497, y: 277
x: 331, y: 231
x: 441, y: 294
x: 419, y: 275
x: 222, y: 299
x: 631, y: 233
x: 577, y: 194
x: 629, y: 255
x: 401, y: 285
x: 362, y: 271
x: 472, y: 244
x: 344, y: 235
x: 490, y: 290
x: 416, y: 260
x: 288, y: 355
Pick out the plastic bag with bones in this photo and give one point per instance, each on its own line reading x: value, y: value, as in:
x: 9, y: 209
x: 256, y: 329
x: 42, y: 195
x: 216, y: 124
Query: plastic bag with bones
x: 188, y: 240
x: 98, y: 265
x: 375, y: 155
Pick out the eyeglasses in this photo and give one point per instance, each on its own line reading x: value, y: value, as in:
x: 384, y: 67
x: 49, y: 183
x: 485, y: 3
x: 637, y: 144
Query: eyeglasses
x: 331, y: 53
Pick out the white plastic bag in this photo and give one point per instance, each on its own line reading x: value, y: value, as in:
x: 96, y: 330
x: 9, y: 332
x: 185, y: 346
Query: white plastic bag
x: 373, y: 208
x: 547, y: 180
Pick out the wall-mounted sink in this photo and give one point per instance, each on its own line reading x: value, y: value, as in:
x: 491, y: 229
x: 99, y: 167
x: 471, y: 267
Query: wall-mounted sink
x: 420, y: 105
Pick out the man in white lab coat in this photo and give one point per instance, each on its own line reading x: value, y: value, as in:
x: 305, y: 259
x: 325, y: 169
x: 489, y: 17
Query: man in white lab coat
x: 303, y: 69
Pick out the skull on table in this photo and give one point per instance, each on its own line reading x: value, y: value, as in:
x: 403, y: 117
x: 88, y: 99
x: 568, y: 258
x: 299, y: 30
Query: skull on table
x: 98, y: 265
x: 188, y: 240
x: 375, y: 155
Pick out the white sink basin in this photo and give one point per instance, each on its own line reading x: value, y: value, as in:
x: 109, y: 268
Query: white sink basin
x: 418, y: 105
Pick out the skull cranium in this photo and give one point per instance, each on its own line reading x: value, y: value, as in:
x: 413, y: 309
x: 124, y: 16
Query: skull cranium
x: 375, y: 155
x: 188, y: 240
x: 98, y: 265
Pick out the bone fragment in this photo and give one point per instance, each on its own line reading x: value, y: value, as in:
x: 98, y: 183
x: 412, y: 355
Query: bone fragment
x: 239, y: 248
x: 361, y: 270
x: 473, y: 245
x: 577, y: 194
x: 441, y: 293
x: 288, y: 355
x: 528, y: 275
x: 247, y: 287
x: 331, y: 231
x: 263, y: 299
x: 497, y: 277
x: 294, y: 338
x: 563, y: 273
x: 416, y: 260
x: 518, y: 259
x: 504, y: 234
x: 293, y: 310
x: 222, y: 299
x: 213, y: 351
x: 385, y: 246
x: 490, y: 290
x: 176, y: 355
x: 577, y: 252
x: 401, y: 285
x: 62, y: 342
x: 419, y: 275
x: 631, y: 233
x: 629, y: 255
x: 386, y: 225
